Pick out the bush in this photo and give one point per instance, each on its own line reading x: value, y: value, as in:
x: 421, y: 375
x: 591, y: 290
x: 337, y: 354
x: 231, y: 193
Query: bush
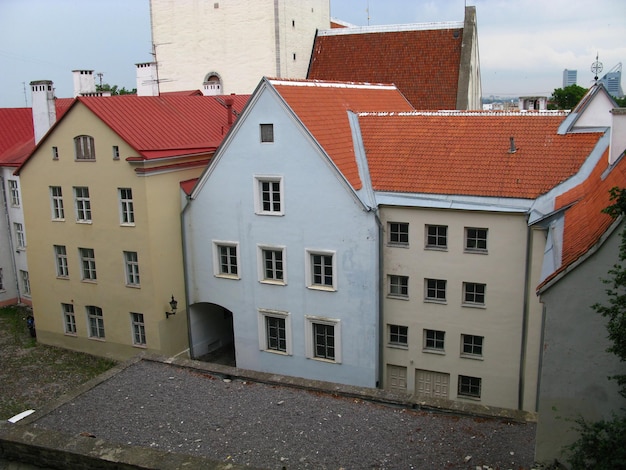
x: 602, y: 445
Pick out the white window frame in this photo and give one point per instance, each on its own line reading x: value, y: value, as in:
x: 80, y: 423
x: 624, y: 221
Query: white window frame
x: 138, y: 329
x: 14, y: 192
x: 259, y: 209
x: 20, y: 235
x: 25, y: 277
x: 87, y: 258
x: 398, y: 282
x: 116, y: 152
x: 95, y: 322
x: 261, y: 267
x: 127, y: 206
x: 69, y: 319
x: 60, y: 260
x: 131, y: 269
x: 398, y: 234
x: 398, y: 334
x: 437, y: 236
x: 435, y: 299
x: 56, y: 203
x: 435, y: 340
x: 264, y: 314
x: 469, y: 303
x: 217, y: 259
x: 309, y: 264
x: 55, y: 152
x: 82, y: 204
x: 476, y: 240
x: 84, y: 148
x: 309, y: 321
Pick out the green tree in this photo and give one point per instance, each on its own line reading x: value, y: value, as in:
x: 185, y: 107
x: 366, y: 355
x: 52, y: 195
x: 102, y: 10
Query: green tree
x: 568, y: 97
x: 621, y: 102
x: 114, y: 90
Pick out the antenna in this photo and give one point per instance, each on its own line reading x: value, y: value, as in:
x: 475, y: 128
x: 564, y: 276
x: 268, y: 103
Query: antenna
x: 596, y: 68
x: 368, y: 12
x: 25, y: 96
x: 100, y: 74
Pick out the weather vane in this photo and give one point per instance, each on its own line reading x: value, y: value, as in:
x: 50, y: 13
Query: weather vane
x: 596, y: 68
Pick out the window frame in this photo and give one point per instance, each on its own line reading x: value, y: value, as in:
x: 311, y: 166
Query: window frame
x: 259, y: 200
x: 84, y: 148
x: 469, y: 340
x: 397, y: 235
x: 20, y: 236
x: 398, y: 336
x: 56, y: 203
x: 466, y: 292
x: 400, y: 283
x: 467, y: 386
x: 262, y: 252
x: 264, y: 339
x: 476, y: 239
x: 436, y: 236
x: 69, y: 319
x: 61, y: 261
x: 14, y: 193
x: 436, y: 289
x: 310, y: 338
x: 138, y: 329
x: 266, y: 136
x: 311, y: 275
x: 55, y: 152
x: 131, y: 269
x: 82, y: 204
x: 115, y: 150
x: 2, y: 289
x: 217, y: 260
x: 87, y: 258
x: 25, y: 279
x: 126, y: 207
x: 434, y: 341
x: 95, y: 322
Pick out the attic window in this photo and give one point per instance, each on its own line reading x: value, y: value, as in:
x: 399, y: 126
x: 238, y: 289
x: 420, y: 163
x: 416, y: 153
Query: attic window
x: 55, y: 153
x: 267, y: 132
x: 84, y: 147
x: 116, y: 152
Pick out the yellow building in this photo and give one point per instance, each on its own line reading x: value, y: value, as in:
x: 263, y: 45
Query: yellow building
x: 102, y: 198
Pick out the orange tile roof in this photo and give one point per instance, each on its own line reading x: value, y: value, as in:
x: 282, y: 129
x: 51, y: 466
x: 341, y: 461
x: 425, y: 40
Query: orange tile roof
x: 467, y: 153
x: 423, y: 63
x: 323, y: 106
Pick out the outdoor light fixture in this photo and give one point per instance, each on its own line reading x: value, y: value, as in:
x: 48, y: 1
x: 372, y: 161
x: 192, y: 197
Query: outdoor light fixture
x: 173, y: 305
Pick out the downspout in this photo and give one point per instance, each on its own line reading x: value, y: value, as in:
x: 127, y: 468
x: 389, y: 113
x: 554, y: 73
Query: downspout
x: 525, y: 314
x: 381, y: 326
x: 10, y: 238
x: 186, y: 277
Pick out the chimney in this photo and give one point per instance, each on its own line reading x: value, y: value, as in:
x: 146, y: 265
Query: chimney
x: 44, y: 110
x: 512, y: 148
x: 84, y: 82
x: 147, y: 79
x: 618, y: 134
x: 229, y: 109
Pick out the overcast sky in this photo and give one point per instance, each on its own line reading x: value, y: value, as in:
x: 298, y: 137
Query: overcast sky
x: 524, y: 45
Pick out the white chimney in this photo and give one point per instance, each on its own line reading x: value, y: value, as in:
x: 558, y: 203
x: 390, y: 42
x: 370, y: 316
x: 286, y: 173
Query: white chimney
x: 84, y: 82
x: 618, y: 134
x: 44, y: 110
x: 147, y: 79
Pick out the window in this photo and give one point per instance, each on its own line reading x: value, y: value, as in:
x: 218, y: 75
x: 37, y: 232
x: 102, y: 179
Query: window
x: 323, y: 338
x: 1, y: 280
x: 14, y: 193
x: 398, y: 233
x: 95, y: 321
x: 127, y: 208
x: 20, y: 237
x: 436, y: 290
x: 55, y: 153
x: 472, y: 345
x: 69, y: 319
x: 469, y: 386
x: 398, y: 335
x: 473, y: 293
x: 88, y: 263
x: 437, y: 236
x: 269, y: 196
x: 272, y: 264
x: 274, y: 331
x: 116, y: 152
x: 56, y: 199
x: 132, y: 268
x: 434, y: 340
x: 60, y: 256
x: 267, y: 132
x: 139, y: 329
x: 25, y: 282
x: 225, y: 262
x: 476, y: 239
x: 83, y: 204
x: 84, y: 148
x: 321, y: 270
x: 398, y: 286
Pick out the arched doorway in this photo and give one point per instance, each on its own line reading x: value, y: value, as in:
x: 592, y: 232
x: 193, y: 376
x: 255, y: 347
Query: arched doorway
x: 212, y: 336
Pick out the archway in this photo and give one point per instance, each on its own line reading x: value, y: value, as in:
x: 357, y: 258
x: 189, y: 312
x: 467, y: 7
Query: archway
x: 212, y: 336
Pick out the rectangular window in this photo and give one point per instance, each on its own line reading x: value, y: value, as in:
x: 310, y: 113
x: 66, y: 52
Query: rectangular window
x: 324, y: 341
x: 272, y: 268
x: 20, y: 237
x: 127, y: 208
x: 14, y: 193
x: 323, y: 338
x: 55, y: 153
x: 88, y: 263
x: 472, y: 345
x: 60, y: 256
x: 56, y: 199
x: 25, y: 282
x: 95, y: 320
x: 398, y: 335
x: 139, y: 329
x: 398, y: 286
x: 437, y: 236
x: 116, y: 152
x: 469, y: 386
x: 434, y: 339
x: 436, y: 290
x: 225, y: 261
x: 398, y: 233
x: 132, y: 268
x: 321, y: 270
x: 473, y: 293
x: 276, y: 334
x: 69, y: 319
x: 83, y: 204
x: 84, y: 147
x: 274, y: 331
x: 269, y: 195
x: 476, y: 239
x: 267, y: 132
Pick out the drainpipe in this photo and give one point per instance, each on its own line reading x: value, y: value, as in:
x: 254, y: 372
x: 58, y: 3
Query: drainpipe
x: 525, y: 314
x: 186, y: 278
x: 10, y: 238
x: 381, y: 325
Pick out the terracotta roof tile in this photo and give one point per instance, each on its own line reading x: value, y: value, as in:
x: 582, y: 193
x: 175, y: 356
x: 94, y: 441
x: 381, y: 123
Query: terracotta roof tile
x: 468, y: 153
x: 323, y: 106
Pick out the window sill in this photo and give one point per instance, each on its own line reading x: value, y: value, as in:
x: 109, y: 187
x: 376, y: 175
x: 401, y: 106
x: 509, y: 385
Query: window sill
x: 85, y: 222
x: 435, y: 301
x: 84, y: 159
x: 434, y: 351
x: 397, y: 245
x: 397, y: 297
x: 63, y: 278
x: 127, y: 225
x: 436, y: 248
x: 279, y: 353
x: 71, y: 335
x: 140, y: 346
x: 475, y: 252
x: 134, y: 286
x: 271, y: 214
x: 321, y: 359
x: 479, y: 306
x: 398, y: 346
x: 89, y: 281
x: 95, y: 338
x: 58, y: 220
x: 322, y: 288
x: 272, y: 282
x: 233, y: 277
x: 467, y: 397
x: 474, y: 357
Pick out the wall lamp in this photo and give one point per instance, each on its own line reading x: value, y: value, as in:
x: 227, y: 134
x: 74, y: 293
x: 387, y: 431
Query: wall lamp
x: 173, y: 306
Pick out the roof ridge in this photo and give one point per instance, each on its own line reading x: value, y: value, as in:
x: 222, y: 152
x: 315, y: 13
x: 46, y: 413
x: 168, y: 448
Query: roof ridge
x: 392, y: 28
x: 330, y: 84
x: 550, y: 113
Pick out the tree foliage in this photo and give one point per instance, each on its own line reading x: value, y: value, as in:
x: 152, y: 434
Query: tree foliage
x: 114, y: 90
x: 621, y: 102
x: 600, y: 445
x: 568, y: 97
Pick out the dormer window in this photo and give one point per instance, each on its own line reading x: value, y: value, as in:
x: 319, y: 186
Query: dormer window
x: 84, y: 147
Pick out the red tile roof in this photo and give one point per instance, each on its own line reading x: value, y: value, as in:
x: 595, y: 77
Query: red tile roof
x: 323, y: 106
x: 467, y: 153
x: 423, y: 63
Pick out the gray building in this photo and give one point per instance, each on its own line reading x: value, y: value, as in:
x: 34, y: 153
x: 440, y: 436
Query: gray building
x: 569, y: 77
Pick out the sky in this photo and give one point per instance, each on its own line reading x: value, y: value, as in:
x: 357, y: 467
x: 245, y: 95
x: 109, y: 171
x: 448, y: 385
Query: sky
x: 524, y: 45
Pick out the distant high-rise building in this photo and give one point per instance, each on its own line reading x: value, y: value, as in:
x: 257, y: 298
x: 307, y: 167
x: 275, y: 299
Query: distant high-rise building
x: 612, y: 81
x: 569, y: 77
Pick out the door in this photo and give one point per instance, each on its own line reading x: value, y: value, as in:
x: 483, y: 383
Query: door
x: 396, y: 378
x: 431, y: 384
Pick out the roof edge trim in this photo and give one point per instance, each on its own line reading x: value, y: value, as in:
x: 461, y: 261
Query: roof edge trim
x: 392, y: 28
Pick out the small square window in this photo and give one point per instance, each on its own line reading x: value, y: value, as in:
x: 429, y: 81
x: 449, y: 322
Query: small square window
x: 398, y: 233
x: 476, y: 240
x: 274, y: 331
x: 469, y: 386
x: 434, y: 340
x: 473, y: 293
x: 436, y: 290
x: 472, y: 345
x: 398, y: 335
x: 267, y: 132
x: 398, y: 286
x: 225, y: 260
x: 271, y: 264
x: 437, y: 237
x: 84, y: 148
x: 269, y: 195
x: 321, y: 270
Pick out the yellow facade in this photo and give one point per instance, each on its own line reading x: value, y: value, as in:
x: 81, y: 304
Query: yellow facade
x: 155, y: 236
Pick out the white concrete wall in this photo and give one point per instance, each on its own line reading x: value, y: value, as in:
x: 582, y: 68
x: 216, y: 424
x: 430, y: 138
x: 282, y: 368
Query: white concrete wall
x: 8, y: 255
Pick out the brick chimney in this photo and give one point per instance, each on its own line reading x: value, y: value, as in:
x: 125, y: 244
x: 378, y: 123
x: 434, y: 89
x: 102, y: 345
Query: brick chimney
x: 44, y: 110
x: 147, y: 79
x: 84, y: 82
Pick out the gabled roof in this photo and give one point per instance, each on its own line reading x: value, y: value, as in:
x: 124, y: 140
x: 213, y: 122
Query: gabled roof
x: 422, y: 60
x: 469, y: 153
x: 323, y: 108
